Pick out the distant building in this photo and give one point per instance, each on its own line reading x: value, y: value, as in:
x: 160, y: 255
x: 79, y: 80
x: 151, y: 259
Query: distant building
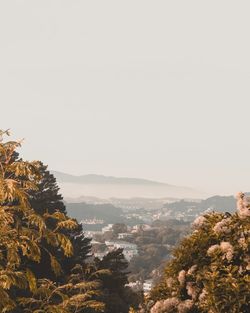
x: 92, y: 221
x: 147, y: 286
x: 129, y: 249
x: 91, y: 234
x: 136, y: 286
x: 124, y: 235
x: 109, y: 227
x: 100, y: 255
x: 139, y: 227
x: 130, y: 253
x: 125, y: 245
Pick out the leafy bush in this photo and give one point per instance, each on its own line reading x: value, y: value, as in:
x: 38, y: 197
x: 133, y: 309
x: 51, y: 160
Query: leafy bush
x: 210, y: 269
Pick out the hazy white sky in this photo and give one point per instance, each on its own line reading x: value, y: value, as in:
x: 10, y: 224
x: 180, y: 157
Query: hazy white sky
x: 152, y: 89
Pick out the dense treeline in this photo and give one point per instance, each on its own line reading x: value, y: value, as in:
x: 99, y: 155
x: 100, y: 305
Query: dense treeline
x: 44, y: 264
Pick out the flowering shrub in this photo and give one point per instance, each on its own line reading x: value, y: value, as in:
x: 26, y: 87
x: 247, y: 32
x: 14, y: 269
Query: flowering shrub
x: 210, y: 269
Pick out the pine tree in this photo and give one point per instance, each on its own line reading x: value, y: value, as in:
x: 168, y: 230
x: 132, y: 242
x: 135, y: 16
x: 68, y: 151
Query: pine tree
x: 47, y: 199
x: 117, y: 297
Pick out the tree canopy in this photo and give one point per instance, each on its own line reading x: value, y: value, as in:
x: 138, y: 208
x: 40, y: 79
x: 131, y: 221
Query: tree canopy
x: 210, y: 269
x: 26, y: 234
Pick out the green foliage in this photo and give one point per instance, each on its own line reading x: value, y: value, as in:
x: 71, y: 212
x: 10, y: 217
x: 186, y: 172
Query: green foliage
x: 48, y: 201
x: 27, y: 234
x: 210, y: 269
x: 119, y: 228
x: 154, y: 246
x: 115, y: 294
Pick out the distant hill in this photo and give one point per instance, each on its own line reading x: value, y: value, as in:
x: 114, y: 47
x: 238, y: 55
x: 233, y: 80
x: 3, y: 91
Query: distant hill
x: 106, y: 187
x: 216, y: 203
x: 106, y: 212
x: 101, y: 179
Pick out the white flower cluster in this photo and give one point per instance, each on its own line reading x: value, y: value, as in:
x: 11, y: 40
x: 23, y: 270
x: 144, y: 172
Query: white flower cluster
x: 170, y: 282
x: 222, y: 226
x: 172, y: 304
x: 225, y: 247
x: 185, y: 306
x: 192, y: 290
x: 192, y: 270
x: 198, y: 222
x: 203, y: 295
x: 243, y: 205
x: 211, y: 250
x: 182, y: 277
x: 163, y: 306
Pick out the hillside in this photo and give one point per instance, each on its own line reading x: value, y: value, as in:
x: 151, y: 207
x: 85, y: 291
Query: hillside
x: 119, y: 187
x: 216, y: 203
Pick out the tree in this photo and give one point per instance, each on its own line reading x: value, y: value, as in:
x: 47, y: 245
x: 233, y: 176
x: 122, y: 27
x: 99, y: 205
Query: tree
x: 210, y: 270
x: 47, y: 199
x: 24, y: 236
x: 119, y: 228
x: 117, y: 297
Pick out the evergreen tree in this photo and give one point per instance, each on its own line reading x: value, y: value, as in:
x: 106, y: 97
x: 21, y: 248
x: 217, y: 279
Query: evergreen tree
x: 117, y: 297
x: 47, y: 199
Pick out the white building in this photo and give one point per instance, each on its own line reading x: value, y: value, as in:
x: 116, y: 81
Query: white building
x: 124, y: 245
x: 147, y: 286
x: 109, y: 227
x: 130, y: 253
x: 100, y: 255
x: 91, y: 234
x: 124, y: 235
x: 129, y: 249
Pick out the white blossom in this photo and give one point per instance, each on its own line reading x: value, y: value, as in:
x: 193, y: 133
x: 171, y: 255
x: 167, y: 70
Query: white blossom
x: 211, y: 250
x: 192, y: 269
x: 227, y: 249
x: 191, y: 290
x: 185, y: 306
x: 222, y: 226
x: 243, y: 205
x: 199, y: 221
x: 203, y: 295
x: 170, y: 282
x: 182, y: 277
x: 164, y: 306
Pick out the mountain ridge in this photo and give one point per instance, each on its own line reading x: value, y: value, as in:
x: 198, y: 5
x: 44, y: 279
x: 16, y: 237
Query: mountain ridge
x: 98, y: 178
x: 101, y: 186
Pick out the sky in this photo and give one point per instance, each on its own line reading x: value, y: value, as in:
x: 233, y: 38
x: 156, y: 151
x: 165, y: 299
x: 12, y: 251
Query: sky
x: 136, y: 88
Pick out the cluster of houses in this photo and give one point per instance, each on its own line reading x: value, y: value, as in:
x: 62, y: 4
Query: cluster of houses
x: 130, y: 250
